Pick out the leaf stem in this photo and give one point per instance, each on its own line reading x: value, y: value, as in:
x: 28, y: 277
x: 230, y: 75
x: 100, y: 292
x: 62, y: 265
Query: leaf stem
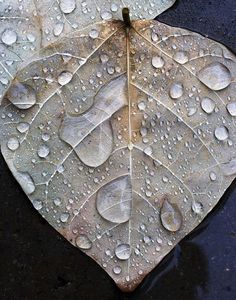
x: 126, y: 16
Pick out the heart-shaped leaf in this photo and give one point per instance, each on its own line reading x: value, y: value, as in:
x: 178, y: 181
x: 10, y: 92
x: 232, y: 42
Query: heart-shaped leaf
x: 124, y: 139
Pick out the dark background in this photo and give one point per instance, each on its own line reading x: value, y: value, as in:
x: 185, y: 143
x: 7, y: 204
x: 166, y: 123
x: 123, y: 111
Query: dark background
x: 36, y: 263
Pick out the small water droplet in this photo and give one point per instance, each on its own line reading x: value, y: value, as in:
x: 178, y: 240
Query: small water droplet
x: 9, y: 37
x: 197, y: 207
x: 106, y: 15
x: 171, y: 216
x: 114, y: 7
x: 37, y: 204
x: 123, y: 251
x: 213, y: 176
x: 13, y: 144
x: 64, y: 78
x: 231, y: 107
x: 208, y: 105
x: 181, y: 57
x: 64, y: 217
x: 221, y: 133
x: 215, y: 76
x: 57, y: 30
x: 158, y: 62
x: 148, y: 150
x: 21, y: 95
x: 43, y: 151
x: 93, y: 33
x: 57, y: 201
x: 117, y: 270
x: 104, y: 58
x: 176, y: 90
x: 22, y: 127
x: 83, y: 242
x: 141, y: 105
x: 67, y: 6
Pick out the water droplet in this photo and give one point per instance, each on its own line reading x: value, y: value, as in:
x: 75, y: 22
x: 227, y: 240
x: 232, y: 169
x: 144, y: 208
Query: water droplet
x: 26, y: 182
x: 64, y: 217
x: 37, y: 204
x: 104, y: 58
x: 147, y: 239
x: 83, y: 242
x: 114, y: 200
x: 176, y: 90
x: 213, y: 176
x: 208, y: 105
x: 231, y: 107
x: 181, y: 57
x: 43, y: 151
x: 141, y: 105
x: 21, y: 95
x: 215, y: 76
x: 148, y: 150
x: 22, y: 127
x: 13, y: 144
x: 45, y: 137
x: 57, y: 30
x: 106, y: 15
x: 197, y: 207
x: 114, y: 7
x: 123, y: 251
x: 57, y: 201
x: 9, y: 37
x: 117, y: 270
x: 64, y: 78
x: 171, y: 216
x: 221, y: 133
x: 158, y: 62
x: 93, y: 33
x: 67, y: 6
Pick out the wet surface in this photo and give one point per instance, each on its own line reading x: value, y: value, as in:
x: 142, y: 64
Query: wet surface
x: 37, y: 263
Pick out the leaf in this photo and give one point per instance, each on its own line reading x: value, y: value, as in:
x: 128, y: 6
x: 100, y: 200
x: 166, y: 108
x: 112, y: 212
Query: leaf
x: 131, y: 141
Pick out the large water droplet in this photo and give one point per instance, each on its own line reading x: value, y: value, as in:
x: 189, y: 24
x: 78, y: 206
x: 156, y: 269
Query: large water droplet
x: 97, y: 146
x: 21, y: 95
x: 22, y: 127
x: 231, y: 107
x: 208, y: 105
x: 176, y: 90
x: 171, y: 216
x: 83, y: 242
x: 117, y: 270
x: 67, y: 6
x: 26, y: 182
x: 158, y: 62
x: 221, y: 133
x: 37, y: 204
x: 64, y: 217
x: 123, y: 251
x: 13, y: 144
x: 215, y: 76
x: 64, y: 78
x: 114, y: 200
x: 9, y: 37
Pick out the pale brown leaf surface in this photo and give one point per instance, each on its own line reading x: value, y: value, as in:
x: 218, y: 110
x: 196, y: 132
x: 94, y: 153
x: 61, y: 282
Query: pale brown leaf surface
x: 131, y: 141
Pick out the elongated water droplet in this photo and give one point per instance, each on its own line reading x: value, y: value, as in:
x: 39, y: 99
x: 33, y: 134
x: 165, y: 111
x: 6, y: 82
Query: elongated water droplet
x: 83, y: 242
x: 171, y: 216
x: 221, y: 133
x: 208, y: 105
x: 114, y: 200
x: 123, y: 251
x: 26, y: 182
x: 21, y: 95
x: 215, y: 76
x: 57, y: 30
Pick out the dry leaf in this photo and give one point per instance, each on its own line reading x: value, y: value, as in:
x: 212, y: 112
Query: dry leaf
x: 124, y: 142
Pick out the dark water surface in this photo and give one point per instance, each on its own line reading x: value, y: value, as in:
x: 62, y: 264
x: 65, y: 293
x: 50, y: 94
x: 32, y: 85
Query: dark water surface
x: 36, y: 263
